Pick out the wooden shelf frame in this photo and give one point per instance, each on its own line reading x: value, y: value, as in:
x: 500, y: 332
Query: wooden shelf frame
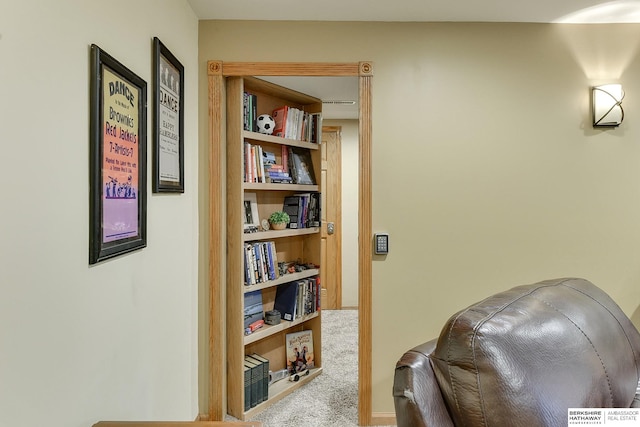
x: 304, y: 243
x: 217, y: 72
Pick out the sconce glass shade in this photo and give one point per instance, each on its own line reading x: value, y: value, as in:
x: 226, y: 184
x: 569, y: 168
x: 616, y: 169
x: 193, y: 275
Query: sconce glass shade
x: 607, y: 105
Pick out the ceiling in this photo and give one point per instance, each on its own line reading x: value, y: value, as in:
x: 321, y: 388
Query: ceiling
x: 574, y: 11
x: 339, y: 88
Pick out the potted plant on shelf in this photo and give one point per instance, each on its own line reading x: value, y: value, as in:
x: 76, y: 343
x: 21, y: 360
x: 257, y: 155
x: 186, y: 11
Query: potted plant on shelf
x: 279, y: 220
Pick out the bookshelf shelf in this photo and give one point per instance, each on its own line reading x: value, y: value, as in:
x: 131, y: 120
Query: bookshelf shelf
x: 282, y: 389
x: 292, y: 277
x: 278, y: 234
x: 302, y: 244
x: 259, y: 186
x: 269, y: 330
x: 255, y: 136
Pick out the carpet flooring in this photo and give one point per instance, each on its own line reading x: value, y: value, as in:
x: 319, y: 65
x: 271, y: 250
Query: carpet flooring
x: 331, y: 399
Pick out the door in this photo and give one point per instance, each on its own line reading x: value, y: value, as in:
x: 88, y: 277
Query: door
x: 331, y: 234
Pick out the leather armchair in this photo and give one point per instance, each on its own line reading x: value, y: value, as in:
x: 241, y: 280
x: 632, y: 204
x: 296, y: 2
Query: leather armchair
x: 522, y: 357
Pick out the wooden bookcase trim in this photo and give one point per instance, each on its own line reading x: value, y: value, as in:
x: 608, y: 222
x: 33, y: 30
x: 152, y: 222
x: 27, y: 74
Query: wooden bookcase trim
x: 294, y: 69
x: 217, y: 72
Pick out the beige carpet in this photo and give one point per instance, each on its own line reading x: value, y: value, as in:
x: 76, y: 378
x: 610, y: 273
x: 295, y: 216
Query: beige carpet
x: 332, y: 398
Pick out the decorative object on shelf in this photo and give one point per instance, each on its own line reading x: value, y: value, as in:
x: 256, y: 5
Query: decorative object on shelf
x: 279, y: 220
x: 266, y: 124
x: 251, y: 220
x: 300, y: 356
x: 118, y: 153
x: 272, y: 317
x: 168, y: 121
x: 265, y: 224
x: 277, y: 375
x: 607, y: 105
x: 301, y: 166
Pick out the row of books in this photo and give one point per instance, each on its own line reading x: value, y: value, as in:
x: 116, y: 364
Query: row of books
x: 303, y: 210
x: 256, y: 380
x: 260, y: 262
x: 293, y: 123
x: 298, y: 298
x: 250, y: 111
x: 261, y: 165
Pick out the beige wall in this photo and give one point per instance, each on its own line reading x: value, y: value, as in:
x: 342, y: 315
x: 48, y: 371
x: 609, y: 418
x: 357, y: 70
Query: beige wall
x: 487, y: 172
x: 116, y: 340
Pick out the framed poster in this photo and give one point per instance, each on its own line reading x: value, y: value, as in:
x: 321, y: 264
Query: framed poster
x: 168, y: 119
x: 118, y: 158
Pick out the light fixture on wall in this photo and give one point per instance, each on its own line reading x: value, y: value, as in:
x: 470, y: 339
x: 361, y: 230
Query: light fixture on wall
x: 607, y: 105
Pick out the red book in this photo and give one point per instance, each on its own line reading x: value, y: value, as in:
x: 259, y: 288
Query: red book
x: 280, y: 117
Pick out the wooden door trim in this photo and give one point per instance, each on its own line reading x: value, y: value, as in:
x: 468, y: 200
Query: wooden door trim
x: 338, y: 218
x: 216, y: 71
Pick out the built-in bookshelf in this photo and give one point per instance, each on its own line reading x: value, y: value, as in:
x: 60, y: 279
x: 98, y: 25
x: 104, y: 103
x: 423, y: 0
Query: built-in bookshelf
x: 294, y: 252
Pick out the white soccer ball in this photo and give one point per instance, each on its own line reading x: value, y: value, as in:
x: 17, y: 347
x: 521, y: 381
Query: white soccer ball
x: 266, y: 124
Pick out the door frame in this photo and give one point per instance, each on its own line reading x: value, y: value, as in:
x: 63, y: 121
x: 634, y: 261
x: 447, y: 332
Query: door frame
x: 338, y: 218
x: 217, y: 71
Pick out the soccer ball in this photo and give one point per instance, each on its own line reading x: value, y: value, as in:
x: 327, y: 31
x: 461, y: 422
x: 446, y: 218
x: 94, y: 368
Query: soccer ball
x: 266, y: 124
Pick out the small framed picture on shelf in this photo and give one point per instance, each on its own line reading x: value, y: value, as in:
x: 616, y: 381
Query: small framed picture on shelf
x: 301, y: 166
x: 251, y: 219
x: 168, y: 115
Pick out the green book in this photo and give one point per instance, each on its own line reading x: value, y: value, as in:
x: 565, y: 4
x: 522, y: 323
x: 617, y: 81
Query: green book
x: 265, y: 374
x: 254, y: 382
x: 247, y: 388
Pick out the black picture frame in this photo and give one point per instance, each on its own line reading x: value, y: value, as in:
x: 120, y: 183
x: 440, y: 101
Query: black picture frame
x: 168, y: 119
x: 117, y: 157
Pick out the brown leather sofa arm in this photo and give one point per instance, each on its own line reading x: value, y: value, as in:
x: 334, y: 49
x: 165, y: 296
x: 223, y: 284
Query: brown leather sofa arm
x: 417, y: 398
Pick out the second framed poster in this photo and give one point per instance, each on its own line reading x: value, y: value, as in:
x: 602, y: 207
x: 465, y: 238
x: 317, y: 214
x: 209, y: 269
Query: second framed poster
x: 168, y: 114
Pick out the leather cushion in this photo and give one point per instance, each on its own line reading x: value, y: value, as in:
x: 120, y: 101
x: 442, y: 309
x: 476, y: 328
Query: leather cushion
x: 524, y: 356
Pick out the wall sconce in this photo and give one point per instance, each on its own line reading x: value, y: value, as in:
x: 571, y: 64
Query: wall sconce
x: 607, y: 105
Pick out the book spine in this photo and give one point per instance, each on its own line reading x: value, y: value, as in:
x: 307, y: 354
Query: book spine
x: 247, y: 388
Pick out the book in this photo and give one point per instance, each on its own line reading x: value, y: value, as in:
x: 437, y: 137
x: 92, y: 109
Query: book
x: 264, y: 363
x: 301, y: 166
x: 286, y: 300
x: 260, y: 379
x: 303, y: 210
x: 280, y: 117
x: 255, y: 372
x: 314, y: 213
x: 291, y: 205
x: 247, y: 387
x: 249, y: 277
x: 253, y: 309
x: 299, y: 347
